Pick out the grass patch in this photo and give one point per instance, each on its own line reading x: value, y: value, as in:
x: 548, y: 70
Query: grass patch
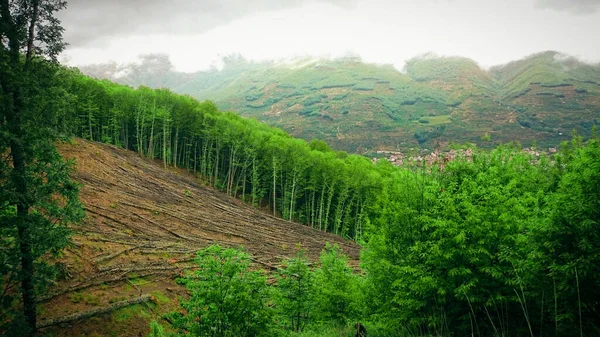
x: 76, y: 297
x: 88, y: 299
x: 125, y: 314
x: 437, y: 120
x: 140, y: 281
x: 160, y: 297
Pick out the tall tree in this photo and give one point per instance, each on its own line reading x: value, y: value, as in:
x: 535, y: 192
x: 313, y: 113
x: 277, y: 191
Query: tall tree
x: 37, y: 197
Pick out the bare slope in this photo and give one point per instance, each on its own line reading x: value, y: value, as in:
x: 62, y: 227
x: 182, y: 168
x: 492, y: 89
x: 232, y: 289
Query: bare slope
x: 143, y: 227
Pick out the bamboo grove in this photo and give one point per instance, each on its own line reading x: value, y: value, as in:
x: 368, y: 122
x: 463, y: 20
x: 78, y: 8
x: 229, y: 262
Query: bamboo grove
x: 293, y: 179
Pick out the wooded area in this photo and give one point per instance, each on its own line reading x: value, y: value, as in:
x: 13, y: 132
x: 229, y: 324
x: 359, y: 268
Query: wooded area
x: 307, y: 183
x: 498, y: 244
x: 503, y: 243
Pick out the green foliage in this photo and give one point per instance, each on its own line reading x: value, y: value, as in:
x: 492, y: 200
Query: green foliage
x: 156, y: 330
x: 337, y: 290
x: 295, y: 287
x: 504, y: 234
x: 227, y: 298
x: 311, y: 100
x: 426, y: 135
x: 319, y: 145
x: 37, y: 197
x: 568, y: 240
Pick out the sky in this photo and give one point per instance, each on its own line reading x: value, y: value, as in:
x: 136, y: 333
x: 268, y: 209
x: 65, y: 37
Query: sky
x: 196, y: 34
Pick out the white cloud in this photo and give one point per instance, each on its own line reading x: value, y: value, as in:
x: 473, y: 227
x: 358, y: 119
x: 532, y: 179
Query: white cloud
x: 581, y: 7
x: 380, y: 31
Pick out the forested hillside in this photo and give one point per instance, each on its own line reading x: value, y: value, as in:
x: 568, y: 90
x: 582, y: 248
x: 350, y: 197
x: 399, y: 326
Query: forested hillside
x: 184, y: 220
x: 360, y: 107
x: 491, y: 243
x: 299, y: 181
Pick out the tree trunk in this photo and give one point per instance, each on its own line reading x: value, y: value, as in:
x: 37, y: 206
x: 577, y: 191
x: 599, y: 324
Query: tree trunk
x: 164, y: 145
x: 291, y: 217
x: 274, y: 186
x: 31, y: 33
x: 329, y: 199
x: 151, y: 141
x: 176, y: 143
x: 13, y: 117
x: 27, y: 266
x: 321, y: 203
x: 255, y: 182
x: 195, y: 155
x: 216, y: 173
x: 244, y: 175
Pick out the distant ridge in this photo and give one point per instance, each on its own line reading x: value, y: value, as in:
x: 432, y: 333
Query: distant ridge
x: 361, y: 107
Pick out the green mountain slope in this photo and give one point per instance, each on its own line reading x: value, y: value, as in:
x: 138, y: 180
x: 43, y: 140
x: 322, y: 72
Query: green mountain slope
x: 362, y: 107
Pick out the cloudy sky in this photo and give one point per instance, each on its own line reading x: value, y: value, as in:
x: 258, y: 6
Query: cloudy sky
x: 197, y: 33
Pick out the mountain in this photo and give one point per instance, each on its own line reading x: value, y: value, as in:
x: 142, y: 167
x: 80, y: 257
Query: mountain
x: 361, y: 107
x: 144, y: 225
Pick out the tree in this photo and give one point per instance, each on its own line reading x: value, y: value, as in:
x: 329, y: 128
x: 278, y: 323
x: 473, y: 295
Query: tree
x: 336, y: 288
x: 295, y: 285
x: 568, y: 241
x: 227, y: 298
x: 37, y: 198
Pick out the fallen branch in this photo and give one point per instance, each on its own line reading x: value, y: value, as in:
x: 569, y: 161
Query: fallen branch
x: 112, y: 256
x: 119, y: 278
x: 93, y: 312
x: 133, y: 285
x: 166, y: 229
x: 131, y: 268
x: 264, y: 264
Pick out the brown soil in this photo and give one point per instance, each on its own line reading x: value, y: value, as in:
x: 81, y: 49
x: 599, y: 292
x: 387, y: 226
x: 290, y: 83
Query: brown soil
x: 144, y: 224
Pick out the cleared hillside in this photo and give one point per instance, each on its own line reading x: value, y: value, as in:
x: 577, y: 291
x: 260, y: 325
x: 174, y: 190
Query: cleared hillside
x: 144, y: 224
x: 361, y: 107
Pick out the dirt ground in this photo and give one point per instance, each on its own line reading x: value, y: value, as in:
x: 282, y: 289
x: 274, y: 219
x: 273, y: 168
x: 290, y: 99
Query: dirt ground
x: 144, y: 224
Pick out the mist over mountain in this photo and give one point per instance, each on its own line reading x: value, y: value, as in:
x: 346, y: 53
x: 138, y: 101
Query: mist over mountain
x: 360, y: 107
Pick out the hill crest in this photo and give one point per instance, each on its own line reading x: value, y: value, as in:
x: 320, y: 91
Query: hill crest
x: 434, y: 101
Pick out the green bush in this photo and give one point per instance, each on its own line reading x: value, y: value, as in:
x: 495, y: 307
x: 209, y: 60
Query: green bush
x: 337, y: 288
x: 227, y: 297
x: 294, y: 298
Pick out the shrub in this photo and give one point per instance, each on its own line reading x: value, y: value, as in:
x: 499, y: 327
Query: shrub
x: 294, y: 296
x: 227, y: 298
x: 337, y: 288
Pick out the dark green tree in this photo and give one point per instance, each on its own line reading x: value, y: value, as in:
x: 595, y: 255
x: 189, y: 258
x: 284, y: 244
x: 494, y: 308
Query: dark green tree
x: 37, y: 198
